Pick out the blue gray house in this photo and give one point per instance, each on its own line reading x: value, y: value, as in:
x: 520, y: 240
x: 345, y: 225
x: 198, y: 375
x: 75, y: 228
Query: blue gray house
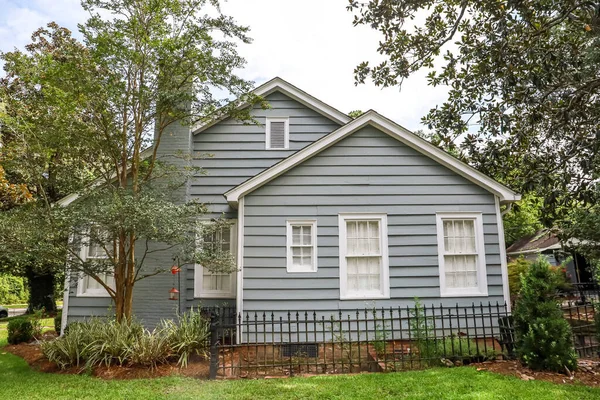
x: 329, y: 213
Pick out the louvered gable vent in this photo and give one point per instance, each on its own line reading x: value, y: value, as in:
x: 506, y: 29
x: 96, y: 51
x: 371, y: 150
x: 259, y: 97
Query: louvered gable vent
x: 276, y: 134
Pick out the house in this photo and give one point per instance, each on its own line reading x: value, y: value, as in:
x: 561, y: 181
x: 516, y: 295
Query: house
x: 547, y: 243
x: 329, y: 213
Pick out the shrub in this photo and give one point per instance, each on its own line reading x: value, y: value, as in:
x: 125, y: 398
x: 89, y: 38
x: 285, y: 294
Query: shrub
x: 20, y: 330
x: 69, y: 349
x: 151, y: 349
x: 113, y: 341
x: 13, y: 290
x: 190, y: 335
x: 105, y: 341
x: 516, y: 268
x: 58, y: 322
x: 544, y: 337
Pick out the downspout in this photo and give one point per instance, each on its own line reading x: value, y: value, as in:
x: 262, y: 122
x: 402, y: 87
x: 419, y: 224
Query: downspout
x: 507, y: 209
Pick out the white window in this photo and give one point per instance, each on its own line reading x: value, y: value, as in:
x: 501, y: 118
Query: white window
x: 95, y: 250
x: 278, y: 134
x: 364, y: 264
x: 208, y: 284
x: 302, y: 246
x: 461, y: 254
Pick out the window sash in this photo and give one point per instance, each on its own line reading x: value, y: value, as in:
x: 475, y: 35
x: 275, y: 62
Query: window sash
x: 87, y: 285
x: 461, y: 254
x: 364, y: 264
x: 301, y: 248
x: 208, y: 284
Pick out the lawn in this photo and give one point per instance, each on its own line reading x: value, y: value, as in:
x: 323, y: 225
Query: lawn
x: 18, y: 381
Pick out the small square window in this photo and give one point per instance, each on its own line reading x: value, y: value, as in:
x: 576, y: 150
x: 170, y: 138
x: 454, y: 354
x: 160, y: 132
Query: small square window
x: 302, y: 246
x: 277, y: 134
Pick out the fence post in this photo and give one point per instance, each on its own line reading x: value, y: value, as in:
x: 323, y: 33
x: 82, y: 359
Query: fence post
x: 214, y: 345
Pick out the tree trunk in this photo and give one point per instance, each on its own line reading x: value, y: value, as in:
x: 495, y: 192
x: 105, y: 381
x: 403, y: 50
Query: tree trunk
x: 41, y: 291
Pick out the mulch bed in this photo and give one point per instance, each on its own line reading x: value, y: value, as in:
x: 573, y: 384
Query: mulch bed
x: 197, y: 367
x: 588, y: 373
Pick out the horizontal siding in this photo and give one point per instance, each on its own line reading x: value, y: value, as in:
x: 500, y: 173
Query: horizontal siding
x: 366, y: 172
x: 231, y: 152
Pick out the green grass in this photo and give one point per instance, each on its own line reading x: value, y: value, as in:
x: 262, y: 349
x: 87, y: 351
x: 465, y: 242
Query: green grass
x: 18, y: 381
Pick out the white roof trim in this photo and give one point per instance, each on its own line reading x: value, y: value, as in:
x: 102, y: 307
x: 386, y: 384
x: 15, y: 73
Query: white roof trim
x: 278, y: 84
x: 389, y: 127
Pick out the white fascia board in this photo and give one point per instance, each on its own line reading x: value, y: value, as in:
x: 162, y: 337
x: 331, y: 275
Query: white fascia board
x: 278, y: 84
x: 392, y: 129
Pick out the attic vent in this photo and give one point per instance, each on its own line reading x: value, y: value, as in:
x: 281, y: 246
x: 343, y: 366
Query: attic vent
x: 277, y: 133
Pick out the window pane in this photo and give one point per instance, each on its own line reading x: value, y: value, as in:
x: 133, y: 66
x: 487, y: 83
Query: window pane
x: 296, y: 233
x: 306, y: 235
x: 459, y: 236
x: 461, y: 271
x: 364, y: 273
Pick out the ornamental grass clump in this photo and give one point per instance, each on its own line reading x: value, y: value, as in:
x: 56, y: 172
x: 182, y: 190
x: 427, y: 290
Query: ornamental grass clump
x: 544, y: 337
x: 107, y: 342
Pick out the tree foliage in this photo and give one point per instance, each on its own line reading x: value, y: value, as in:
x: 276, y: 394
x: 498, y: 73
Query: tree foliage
x: 523, y: 219
x: 544, y: 337
x: 144, y: 69
x: 523, y: 84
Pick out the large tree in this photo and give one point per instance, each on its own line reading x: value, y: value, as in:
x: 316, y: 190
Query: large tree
x: 158, y: 65
x: 44, y: 146
x: 522, y: 79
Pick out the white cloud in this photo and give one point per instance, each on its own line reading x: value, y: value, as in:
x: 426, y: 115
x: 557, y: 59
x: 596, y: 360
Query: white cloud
x: 310, y: 43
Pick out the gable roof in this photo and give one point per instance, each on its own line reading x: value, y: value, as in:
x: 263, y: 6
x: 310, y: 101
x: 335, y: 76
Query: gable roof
x: 544, y: 239
x: 279, y: 85
x: 389, y: 127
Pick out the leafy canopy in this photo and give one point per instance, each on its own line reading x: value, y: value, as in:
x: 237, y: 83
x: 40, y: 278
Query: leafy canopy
x: 523, y: 81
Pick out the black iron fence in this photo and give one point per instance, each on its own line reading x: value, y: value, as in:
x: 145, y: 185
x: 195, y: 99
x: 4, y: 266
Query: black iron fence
x: 583, y: 293
x: 376, y: 339
x: 582, y: 318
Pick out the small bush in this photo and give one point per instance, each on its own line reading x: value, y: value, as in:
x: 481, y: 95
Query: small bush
x: 189, y: 335
x: 20, y: 330
x: 516, y: 268
x: 105, y: 341
x: 68, y: 350
x: 13, y: 290
x: 58, y: 322
x: 544, y: 337
x: 151, y: 349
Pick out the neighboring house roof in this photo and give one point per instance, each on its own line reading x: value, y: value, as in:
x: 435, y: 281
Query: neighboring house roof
x: 392, y: 129
x: 279, y: 85
x: 542, y: 240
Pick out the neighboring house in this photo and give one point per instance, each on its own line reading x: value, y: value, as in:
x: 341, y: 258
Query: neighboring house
x: 330, y: 213
x: 547, y: 243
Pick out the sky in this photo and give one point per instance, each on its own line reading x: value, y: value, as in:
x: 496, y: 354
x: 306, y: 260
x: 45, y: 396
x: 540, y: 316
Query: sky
x: 310, y: 43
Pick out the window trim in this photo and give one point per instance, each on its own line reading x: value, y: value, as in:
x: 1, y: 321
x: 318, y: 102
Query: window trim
x: 199, y: 270
x: 289, y: 258
x: 385, y: 262
x: 286, y: 130
x: 482, y: 287
x: 82, y: 290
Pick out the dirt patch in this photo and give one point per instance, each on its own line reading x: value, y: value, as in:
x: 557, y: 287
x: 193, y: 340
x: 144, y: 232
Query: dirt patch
x: 198, y: 367
x: 588, y: 373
